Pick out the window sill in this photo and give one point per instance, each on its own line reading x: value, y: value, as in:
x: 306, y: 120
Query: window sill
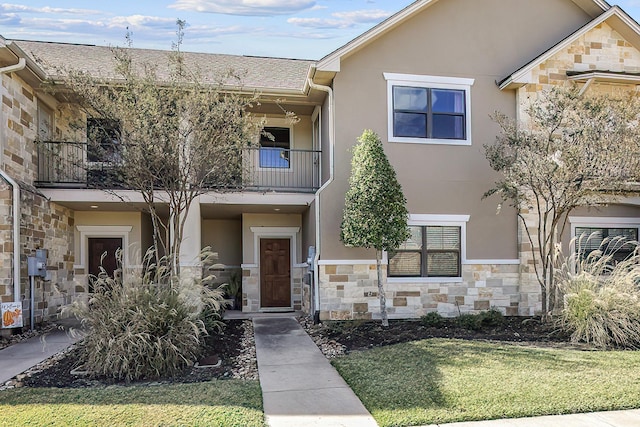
x: 431, y: 141
x: 424, y: 279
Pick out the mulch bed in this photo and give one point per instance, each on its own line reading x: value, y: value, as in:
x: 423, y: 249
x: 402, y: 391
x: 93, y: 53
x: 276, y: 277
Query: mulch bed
x: 227, y: 346
x: 360, y: 335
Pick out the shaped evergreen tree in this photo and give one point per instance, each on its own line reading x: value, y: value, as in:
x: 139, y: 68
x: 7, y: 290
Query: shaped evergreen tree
x: 375, y: 213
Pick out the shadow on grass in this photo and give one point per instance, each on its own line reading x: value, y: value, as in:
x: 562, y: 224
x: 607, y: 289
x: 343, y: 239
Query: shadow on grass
x: 234, y: 393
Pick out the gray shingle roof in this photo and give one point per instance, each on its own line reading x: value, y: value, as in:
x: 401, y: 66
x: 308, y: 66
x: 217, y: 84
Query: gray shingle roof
x: 256, y: 72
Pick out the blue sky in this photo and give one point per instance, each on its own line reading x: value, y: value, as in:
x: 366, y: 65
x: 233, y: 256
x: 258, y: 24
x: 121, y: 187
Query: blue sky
x: 307, y: 29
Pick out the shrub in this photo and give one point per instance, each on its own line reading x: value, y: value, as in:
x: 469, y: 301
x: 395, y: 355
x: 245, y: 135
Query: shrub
x: 432, y: 319
x: 601, y: 298
x: 469, y: 321
x: 148, y: 326
x: 491, y: 317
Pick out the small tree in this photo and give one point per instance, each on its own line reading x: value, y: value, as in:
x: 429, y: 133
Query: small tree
x: 375, y: 215
x: 179, y: 134
x: 575, y: 151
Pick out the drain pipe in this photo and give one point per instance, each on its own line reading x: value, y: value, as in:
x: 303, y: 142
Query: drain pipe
x: 332, y: 131
x: 16, y: 204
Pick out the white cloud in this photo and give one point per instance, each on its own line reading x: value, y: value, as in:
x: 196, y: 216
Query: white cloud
x: 320, y: 23
x: 245, y: 7
x: 363, y: 16
x: 342, y: 19
x: 9, y: 7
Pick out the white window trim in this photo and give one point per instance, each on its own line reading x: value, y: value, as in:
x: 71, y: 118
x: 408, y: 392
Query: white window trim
x: 277, y: 123
x: 290, y: 233
x: 600, y: 222
x: 435, y: 82
x: 90, y: 231
x: 437, y: 220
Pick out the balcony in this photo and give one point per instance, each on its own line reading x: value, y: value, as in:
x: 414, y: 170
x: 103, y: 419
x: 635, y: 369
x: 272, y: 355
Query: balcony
x: 72, y: 165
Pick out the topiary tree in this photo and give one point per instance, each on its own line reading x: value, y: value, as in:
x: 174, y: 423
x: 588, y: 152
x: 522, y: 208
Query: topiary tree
x: 375, y: 215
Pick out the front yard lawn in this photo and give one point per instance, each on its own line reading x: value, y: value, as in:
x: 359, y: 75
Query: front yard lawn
x: 445, y: 380
x: 214, y: 403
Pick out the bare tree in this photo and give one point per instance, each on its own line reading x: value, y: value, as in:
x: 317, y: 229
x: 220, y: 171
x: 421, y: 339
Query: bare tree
x: 575, y: 150
x: 169, y: 137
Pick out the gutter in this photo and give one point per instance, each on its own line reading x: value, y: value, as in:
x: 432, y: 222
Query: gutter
x: 332, y: 131
x: 16, y: 203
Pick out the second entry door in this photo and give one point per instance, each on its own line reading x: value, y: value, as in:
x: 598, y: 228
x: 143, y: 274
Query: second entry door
x: 275, y: 273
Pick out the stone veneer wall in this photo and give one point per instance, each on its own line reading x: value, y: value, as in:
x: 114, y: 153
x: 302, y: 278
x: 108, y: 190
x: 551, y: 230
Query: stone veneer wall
x: 251, y: 288
x: 351, y: 292
x: 43, y: 225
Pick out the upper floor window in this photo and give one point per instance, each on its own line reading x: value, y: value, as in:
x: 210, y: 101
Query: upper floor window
x: 429, y: 109
x: 45, y: 122
x: 275, y: 147
x: 103, y: 137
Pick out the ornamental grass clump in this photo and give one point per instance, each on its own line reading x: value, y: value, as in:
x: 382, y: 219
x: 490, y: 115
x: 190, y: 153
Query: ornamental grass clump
x: 601, y: 298
x: 148, y: 325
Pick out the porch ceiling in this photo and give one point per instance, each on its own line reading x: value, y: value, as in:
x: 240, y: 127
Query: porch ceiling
x: 227, y: 211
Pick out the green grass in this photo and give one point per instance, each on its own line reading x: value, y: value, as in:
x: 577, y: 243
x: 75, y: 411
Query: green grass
x: 215, y: 403
x: 440, y: 380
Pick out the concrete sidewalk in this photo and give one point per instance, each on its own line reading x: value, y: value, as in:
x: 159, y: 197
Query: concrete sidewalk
x: 299, y: 385
x: 630, y: 418
x: 21, y: 356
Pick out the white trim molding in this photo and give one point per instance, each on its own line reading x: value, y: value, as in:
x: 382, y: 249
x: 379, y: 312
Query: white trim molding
x: 430, y: 82
x: 601, y: 222
x: 91, y: 231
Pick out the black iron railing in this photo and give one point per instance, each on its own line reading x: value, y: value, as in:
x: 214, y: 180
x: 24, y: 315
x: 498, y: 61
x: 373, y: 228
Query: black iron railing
x: 78, y: 165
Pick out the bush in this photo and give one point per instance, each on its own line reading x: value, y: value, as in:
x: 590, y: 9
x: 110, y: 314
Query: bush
x: 469, y: 321
x: 147, y: 327
x: 432, y: 319
x: 492, y: 317
x: 601, y: 298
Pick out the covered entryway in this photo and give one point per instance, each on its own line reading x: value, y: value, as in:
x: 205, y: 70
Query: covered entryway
x: 275, y: 273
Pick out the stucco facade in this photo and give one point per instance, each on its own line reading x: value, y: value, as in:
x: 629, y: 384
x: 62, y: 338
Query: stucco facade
x: 433, y: 45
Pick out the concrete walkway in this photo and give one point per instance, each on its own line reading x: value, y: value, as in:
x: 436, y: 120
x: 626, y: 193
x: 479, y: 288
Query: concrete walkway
x: 630, y: 418
x: 299, y: 386
x: 21, y: 356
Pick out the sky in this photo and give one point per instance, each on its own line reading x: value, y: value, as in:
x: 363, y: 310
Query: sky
x: 304, y: 29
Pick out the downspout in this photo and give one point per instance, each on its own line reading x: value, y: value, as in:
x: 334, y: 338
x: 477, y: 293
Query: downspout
x: 332, y: 130
x: 16, y: 203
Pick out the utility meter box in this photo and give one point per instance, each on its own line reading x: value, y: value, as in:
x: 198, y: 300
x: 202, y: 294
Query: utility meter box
x: 37, y: 265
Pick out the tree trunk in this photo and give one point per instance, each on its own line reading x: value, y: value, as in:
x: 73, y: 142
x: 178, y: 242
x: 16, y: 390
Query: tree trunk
x: 383, y: 299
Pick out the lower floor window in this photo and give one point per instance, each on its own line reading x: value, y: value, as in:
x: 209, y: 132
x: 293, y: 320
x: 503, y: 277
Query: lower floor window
x: 615, y: 242
x: 430, y: 251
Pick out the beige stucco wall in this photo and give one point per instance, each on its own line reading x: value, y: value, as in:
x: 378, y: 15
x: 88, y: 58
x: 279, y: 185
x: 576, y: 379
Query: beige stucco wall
x: 457, y: 38
x: 224, y: 236
x: 133, y: 219
x: 268, y: 220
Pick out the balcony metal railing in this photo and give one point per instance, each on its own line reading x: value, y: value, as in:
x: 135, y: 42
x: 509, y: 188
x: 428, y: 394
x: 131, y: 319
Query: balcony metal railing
x: 73, y: 165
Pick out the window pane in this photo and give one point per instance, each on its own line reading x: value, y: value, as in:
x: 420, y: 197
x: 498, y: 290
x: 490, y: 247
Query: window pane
x: 447, y: 101
x: 443, y: 238
x: 410, y: 98
x: 414, y: 242
x: 589, y: 239
x: 275, y: 137
x: 410, y: 125
x: 274, y: 157
x: 405, y: 264
x: 448, y: 127
x: 443, y: 264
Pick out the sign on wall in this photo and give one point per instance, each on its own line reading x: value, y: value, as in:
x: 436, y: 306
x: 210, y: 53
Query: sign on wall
x: 11, y: 314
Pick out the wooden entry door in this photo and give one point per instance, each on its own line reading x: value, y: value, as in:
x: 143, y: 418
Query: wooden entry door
x: 275, y: 273
x: 97, y: 247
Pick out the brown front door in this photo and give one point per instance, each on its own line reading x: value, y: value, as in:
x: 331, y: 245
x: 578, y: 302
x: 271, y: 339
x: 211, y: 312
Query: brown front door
x: 275, y: 273
x: 97, y: 247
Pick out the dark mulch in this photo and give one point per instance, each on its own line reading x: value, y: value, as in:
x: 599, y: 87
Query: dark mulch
x: 359, y: 335
x: 226, y: 346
